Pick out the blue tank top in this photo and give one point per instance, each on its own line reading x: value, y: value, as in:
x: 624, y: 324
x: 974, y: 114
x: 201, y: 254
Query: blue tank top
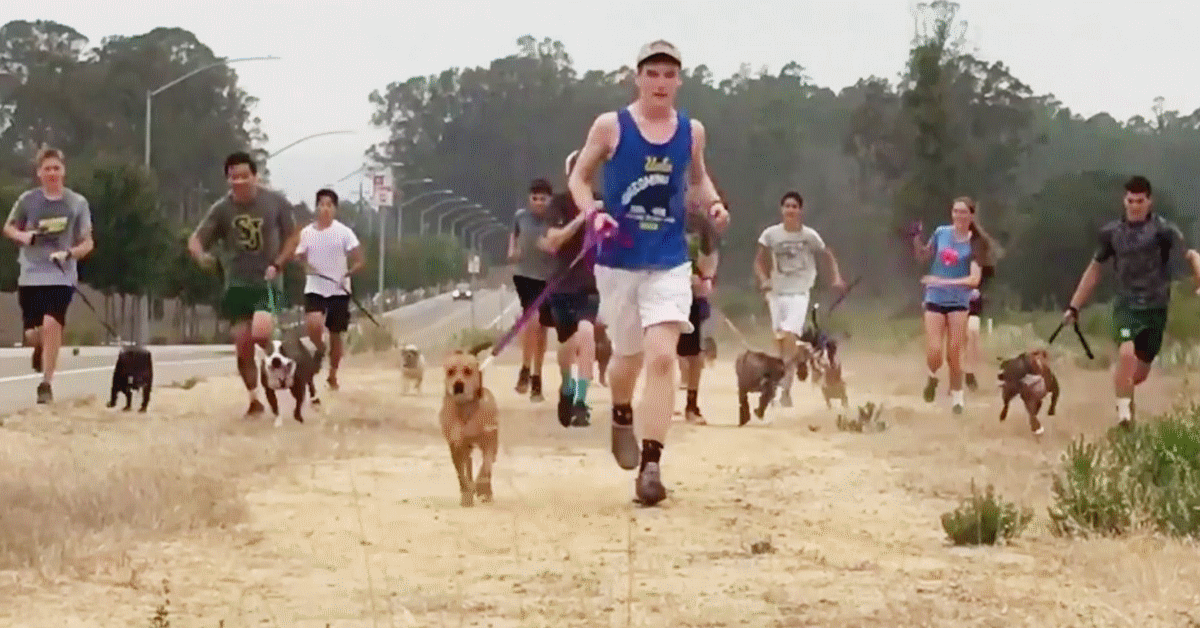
x: 951, y: 260
x: 644, y: 189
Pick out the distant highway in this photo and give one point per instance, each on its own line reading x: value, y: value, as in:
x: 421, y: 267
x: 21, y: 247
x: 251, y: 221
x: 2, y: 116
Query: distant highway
x: 423, y: 323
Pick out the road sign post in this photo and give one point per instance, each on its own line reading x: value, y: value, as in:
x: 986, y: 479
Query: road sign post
x: 381, y: 196
x: 473, y: 270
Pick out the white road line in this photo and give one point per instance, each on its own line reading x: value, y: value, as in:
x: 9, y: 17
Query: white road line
x: 102, y: 369
x: 502, y: 314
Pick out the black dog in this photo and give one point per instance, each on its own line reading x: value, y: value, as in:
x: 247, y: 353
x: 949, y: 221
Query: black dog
x: 134, y: 369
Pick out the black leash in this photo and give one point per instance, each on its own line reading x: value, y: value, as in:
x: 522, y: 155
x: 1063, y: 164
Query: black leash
x: 1078, y: 333
x: 353, y: 299
x: 108, y: 327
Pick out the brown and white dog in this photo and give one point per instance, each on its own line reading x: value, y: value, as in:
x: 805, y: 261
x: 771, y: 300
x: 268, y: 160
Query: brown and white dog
x: 291, y: 365
x: 468, y: 420
x: 412, y: 367
x: 1029, y: 376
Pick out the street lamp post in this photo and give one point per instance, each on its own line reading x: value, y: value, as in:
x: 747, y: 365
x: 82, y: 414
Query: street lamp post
x: 451, y: 211
x: 454, y: 223
x: 486, y: 231
x: 144, y: 301
x: 421, y: 218
x: 400, y: 209
x: 308, y: 137
x: 476, y: 222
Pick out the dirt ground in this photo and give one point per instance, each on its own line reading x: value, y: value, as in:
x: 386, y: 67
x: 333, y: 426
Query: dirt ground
x: 353, y: 519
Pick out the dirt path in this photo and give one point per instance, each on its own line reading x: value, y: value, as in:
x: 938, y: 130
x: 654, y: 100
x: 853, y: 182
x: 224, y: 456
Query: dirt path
x: 792, y: 524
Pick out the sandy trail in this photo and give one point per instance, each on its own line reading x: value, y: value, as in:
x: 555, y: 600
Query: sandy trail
x: 792, y: 524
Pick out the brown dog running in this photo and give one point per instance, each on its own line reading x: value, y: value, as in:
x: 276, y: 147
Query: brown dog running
x: 412, y: 368
x: 468, y: 420
x: 757, y: 372
x: 1029, y: 376
x: 603, y: 352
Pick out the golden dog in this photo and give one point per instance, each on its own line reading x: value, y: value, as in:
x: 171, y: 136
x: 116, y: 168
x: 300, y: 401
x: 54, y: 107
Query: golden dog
x: 412, y: 367
x: 468, y: 420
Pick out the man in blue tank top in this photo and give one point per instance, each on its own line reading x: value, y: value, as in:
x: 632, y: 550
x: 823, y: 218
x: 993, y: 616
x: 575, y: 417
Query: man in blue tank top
x: 651, y: 155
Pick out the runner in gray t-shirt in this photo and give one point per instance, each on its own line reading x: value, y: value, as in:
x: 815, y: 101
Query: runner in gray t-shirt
x: 1143, y: 247
x: 53, y: 226
x: 534, y: 266
x: 258, y: 229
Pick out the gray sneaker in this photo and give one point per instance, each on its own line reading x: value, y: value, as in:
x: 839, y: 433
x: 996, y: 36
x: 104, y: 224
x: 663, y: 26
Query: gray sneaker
x: 44, y: 393
x: 650, y: 489
x: 625, y: 447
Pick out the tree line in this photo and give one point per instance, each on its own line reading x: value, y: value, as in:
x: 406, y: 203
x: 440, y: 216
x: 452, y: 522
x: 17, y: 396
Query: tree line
x: 89, y: 101
x: 869, y: 158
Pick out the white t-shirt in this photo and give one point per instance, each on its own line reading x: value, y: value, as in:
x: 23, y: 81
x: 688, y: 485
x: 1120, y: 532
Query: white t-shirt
x: 794, y: 264
x: 327, y: 253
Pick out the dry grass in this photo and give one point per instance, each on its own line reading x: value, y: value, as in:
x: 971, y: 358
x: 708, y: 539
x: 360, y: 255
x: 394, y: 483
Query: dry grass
x: 353, y: 518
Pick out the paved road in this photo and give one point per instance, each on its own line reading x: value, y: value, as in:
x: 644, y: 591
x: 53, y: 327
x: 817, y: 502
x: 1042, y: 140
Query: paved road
x: 90, y: 372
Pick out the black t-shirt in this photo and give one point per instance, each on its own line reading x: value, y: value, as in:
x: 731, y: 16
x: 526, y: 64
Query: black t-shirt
x: 1143, y: 255
x: 581, y: 277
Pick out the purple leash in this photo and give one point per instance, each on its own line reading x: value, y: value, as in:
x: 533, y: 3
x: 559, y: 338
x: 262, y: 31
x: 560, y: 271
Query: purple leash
x: 590, y: 242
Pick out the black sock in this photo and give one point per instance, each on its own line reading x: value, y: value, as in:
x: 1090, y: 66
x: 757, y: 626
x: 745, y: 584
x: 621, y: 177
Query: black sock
x: 623, y: 414
x: 691, y: 399
x: 535, y: 382
x: 651, y: 452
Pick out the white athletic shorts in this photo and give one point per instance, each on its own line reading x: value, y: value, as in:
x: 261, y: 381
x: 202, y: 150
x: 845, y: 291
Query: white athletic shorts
x: 788, y: 312
x: 632, y: 300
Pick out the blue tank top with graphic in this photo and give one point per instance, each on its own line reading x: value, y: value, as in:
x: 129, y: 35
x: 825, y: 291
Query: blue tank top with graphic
x: 644, y: 189
x: 951, y: 260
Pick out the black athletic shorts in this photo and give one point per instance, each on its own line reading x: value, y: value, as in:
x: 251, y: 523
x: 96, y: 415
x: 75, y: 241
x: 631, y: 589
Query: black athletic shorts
x: 976, y: 307
x: 38, y: 302
x: 336, y: 309
x: 945, y: 309
x: 528, y: 290
x: 569, y: 308
x: 689, y: 344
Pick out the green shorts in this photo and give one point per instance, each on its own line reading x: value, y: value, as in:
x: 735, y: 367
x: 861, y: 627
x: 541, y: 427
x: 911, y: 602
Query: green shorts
x: 1143, y: 327
x: 239, y: 303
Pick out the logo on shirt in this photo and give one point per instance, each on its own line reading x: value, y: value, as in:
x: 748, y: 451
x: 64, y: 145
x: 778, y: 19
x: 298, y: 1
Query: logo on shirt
x: 248, y: 232
x: 658, y: 164
x: 57, y: 224
x: 791, y: 257
x: 949, y: 256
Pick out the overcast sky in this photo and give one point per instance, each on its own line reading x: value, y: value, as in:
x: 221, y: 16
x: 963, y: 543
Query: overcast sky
x: 1094, y: 55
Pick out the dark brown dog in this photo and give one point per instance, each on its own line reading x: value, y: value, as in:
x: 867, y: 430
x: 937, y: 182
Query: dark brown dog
x: 1029, y: 376
x: 603, y: 352
x: 291, y: 365
x: 757, y: 372
x: 468, y: 420
x: 134, y: 370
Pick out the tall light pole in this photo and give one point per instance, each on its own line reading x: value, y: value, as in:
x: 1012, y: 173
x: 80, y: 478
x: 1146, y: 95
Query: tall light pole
x: 486, y: 231
x: 421, y: 218
x: 469, y: 216
x: 451, y: 211
x: 144, y: 305
x: 472, y: 223
x: 400, y: 209
x: 309, y: 137
x: 473, y: 233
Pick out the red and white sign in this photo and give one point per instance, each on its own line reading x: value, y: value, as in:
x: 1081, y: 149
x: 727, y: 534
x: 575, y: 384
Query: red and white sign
x: 381, y: 186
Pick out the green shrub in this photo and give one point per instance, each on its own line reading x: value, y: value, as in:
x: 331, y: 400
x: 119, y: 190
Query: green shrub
x: 1144, y: 477
x: 984, y: 519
